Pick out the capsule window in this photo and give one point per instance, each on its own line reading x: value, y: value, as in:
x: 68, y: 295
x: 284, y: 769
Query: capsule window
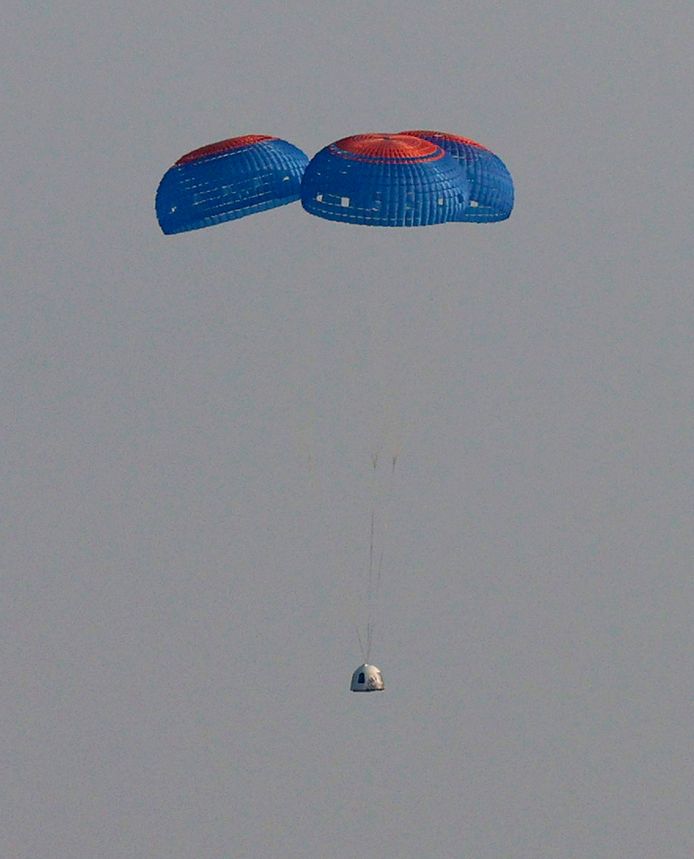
x: 361, y: 678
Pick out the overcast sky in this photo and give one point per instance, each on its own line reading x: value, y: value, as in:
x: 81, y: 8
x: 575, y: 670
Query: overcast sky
x: 188, y: 423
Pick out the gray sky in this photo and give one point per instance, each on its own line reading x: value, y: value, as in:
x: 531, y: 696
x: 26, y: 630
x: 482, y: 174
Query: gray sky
x: 188, y: 421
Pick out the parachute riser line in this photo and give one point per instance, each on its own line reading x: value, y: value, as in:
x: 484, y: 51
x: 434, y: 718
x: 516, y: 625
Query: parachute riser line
x: 378, y: 527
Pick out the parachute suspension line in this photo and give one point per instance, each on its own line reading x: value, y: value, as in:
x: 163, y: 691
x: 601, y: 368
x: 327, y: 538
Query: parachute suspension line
x: 378, y: 529
x: 378, y: 570
x: 370, y: 584
x: 364, y: 654
x: 371, y: 548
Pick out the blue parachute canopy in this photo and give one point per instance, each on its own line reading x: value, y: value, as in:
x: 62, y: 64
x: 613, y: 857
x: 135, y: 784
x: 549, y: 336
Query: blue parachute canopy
x: 229, y: 180
x: 386, y: 180
x: 491, y: 185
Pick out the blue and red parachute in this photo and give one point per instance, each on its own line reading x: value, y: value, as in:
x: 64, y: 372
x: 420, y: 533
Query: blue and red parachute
x: 491, y: 186
x: 229, y: 180
x: 408, y: 179
x: 387, y: 180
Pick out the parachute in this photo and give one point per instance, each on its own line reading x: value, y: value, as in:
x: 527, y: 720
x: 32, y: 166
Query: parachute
x: 491, y: 185
x: 407, y: 179
x: 387, y: 180
x: 228, y: 180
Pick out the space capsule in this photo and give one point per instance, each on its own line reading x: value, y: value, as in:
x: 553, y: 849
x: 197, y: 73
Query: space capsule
x: 367, y: 678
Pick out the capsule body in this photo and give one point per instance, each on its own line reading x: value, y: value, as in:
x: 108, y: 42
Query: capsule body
x: 367, y: 678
